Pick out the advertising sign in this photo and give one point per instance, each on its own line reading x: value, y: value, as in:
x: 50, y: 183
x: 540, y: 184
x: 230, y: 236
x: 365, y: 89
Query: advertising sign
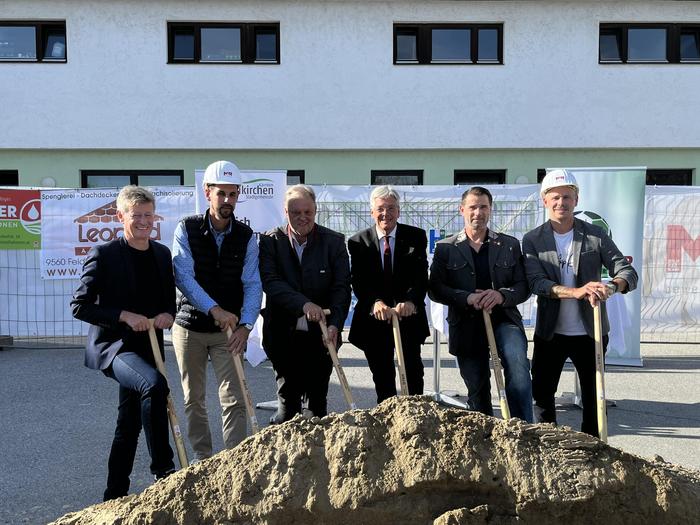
x: 76, y: 220
x: 20, y: 220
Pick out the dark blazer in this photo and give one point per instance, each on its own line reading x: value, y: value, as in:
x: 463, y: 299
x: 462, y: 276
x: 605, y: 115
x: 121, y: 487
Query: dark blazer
x: 409, y: 283
x: 107, y: 286
x: 453, y: 278
x: 323, y: 277
x: 592, y: 249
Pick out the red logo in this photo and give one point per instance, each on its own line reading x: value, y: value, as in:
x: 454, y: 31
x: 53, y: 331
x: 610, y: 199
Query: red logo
x: 679, y: 240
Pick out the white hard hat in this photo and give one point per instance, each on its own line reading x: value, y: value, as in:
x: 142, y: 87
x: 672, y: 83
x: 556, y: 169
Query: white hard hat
x: 222, y: 172
x: 556, y: 178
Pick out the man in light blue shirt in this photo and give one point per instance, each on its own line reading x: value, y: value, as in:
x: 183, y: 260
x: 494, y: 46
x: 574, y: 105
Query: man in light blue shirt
x: 216, y: 272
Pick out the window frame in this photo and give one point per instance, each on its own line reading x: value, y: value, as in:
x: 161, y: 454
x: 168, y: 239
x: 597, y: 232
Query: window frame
x: 501, y: 174
x: 249, y: 32
x: 673, y: 41
x: 42, y: 28
x: 423, y: 35
x: 132, y: 174
x: 296, y: 173
x: 399, y: 173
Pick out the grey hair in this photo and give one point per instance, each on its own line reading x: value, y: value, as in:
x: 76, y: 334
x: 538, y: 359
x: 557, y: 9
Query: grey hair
x: 383, y: 192
x: 299, y: 191
x: 132, y: 195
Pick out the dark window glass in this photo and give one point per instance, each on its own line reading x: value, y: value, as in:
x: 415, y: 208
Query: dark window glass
x: 183, y: 44
x: 9, y: 178
x: 406, y: 47
x: 670, y: 177
x: 397, y: 177
x: 451, y: 45
x: 265, y: 46
x: 18, y: 42
x: 119, y: 178
x: 610, y: 46
x: 55, y: 48
x: 646, y: 44
x: 488, y: 45
x: 295, y: 177
x: 690, y: 46
x: 472, y: 177
x: 220, y: 44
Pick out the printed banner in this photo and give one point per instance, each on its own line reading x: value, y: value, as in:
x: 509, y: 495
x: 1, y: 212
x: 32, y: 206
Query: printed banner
x: 20, y: 220
x: 261, y: 202
x: 76, y: 220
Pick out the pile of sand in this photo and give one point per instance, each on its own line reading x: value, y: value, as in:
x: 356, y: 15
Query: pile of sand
x: 411, y: 461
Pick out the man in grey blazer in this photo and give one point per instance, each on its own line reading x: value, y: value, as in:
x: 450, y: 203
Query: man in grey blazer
x: 563, y: 262
x: 478, y: 269
x: 304, y: 269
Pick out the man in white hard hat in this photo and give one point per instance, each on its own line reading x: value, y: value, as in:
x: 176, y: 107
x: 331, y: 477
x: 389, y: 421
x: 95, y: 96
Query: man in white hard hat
x: 216, y: 273
x: 563, y: 262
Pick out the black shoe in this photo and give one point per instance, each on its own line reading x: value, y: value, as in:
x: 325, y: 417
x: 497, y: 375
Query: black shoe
x: 163, y: 475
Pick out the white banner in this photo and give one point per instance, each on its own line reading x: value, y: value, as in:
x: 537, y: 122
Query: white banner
x: 76, y: 220
x: 261, y: 202
x: 671, y: 291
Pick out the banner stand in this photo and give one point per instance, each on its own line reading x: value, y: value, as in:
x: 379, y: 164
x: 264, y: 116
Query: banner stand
x: 443, y: 399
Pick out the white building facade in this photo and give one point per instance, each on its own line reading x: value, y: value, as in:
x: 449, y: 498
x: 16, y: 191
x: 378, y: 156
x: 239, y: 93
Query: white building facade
x: 342, y: 97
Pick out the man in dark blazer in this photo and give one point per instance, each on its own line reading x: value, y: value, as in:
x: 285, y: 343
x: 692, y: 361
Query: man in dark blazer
x: 304, y: 269
x: 389, y: 277
x: 478, y: 269
x: 563, y: 261
x: 124, y: 283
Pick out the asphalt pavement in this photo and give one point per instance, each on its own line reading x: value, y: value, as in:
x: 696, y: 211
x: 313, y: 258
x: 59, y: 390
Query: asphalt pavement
x: 57, y: 417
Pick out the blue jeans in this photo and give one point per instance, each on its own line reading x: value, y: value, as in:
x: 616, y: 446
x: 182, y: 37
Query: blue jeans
x: 143, y: 394
x: 474, y: 369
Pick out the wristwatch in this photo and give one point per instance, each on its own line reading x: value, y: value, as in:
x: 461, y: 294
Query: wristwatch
x: 612, y: 285
x: 248, y: 326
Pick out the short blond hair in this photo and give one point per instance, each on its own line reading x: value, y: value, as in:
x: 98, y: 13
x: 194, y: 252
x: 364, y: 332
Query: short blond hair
x: 299, y: 191
x: 132, y: 195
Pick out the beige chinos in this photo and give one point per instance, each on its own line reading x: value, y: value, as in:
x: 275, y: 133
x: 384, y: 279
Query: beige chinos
x: 191, y: 351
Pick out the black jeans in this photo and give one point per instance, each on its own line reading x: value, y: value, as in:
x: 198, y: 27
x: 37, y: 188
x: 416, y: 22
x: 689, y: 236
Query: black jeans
x: 143, y: 394
x: 548, y: 360
x: 303, y: 368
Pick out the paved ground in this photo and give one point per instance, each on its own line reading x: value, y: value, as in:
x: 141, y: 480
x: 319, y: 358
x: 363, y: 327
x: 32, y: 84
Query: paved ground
x: 57, y: 418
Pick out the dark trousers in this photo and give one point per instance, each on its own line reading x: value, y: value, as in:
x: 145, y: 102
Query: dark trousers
x: 143, y: 393
x: 302, y: 368
x: 380, y: 358
x: 548, y: 360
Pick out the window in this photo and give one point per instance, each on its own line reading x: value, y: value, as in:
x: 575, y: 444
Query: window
x: 448, y: 43
x: 649, y: 43
x: 32, y: 41
x: 295, y: 177
x: 9, y: 178
x: 119, y: 178
x: 397, y: 177
x: 223, y: 43
x: 471, y: 177
x: 674, y: 177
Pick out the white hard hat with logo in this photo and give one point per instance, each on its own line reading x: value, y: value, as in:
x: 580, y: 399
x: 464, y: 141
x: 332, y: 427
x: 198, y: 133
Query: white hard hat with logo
x: 222, y: 172
x: 556, y: 178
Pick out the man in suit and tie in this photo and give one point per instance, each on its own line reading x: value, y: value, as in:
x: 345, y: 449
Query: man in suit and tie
x: 563, y: 261
x: 390, y: 278
x: 304, y: 270
x: 124, y: 283
x: 478, y: 269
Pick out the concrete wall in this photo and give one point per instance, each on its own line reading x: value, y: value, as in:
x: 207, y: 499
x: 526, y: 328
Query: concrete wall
x: 336, y: 87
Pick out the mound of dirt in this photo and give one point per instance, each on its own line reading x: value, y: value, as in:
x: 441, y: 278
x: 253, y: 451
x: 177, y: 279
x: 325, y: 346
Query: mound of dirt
x: 411, y: 461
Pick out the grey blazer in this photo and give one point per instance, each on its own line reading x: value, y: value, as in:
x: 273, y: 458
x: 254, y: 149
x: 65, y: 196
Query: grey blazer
x: 453, y: 278
x: 592, y: 249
